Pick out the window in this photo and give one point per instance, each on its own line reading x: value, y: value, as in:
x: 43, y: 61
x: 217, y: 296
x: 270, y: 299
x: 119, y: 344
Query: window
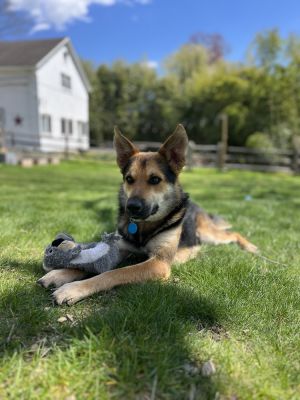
x: 46, y: 123
x: 66, y: 81
x: 63, y: 126
x: 66, y: 126
x: 82, y: 128
x: 70, y: 125
x: 66, y: 55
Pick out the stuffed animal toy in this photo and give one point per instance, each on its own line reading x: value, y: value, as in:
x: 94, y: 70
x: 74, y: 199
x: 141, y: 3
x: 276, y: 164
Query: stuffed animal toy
x: 94, y: 258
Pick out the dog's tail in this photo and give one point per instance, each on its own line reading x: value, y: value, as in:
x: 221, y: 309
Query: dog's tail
x: 217, y: 232
x: 213, y: 229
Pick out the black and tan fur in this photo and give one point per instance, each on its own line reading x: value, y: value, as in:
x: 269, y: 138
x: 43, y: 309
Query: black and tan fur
x: 170, y: 227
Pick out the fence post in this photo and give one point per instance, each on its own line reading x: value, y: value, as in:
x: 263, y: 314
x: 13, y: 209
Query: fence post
x: 296, y: 155
x: 222, y: 146
x: 189, y: 156
x: 295, y: 160
x: 221, y: 156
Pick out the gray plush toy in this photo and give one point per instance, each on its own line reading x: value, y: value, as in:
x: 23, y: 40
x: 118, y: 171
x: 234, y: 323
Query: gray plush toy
x: 95, y: 258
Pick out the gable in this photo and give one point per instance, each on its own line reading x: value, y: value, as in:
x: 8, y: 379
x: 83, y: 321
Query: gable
x: 25, y: 53
x: 66, y: 46
x: 57, y: 70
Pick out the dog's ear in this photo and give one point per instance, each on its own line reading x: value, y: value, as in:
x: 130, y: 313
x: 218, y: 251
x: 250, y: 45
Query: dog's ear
x: 124, y: 148
x: 174, y: 149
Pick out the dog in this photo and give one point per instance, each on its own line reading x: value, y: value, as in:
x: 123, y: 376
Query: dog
x: 156, y: 219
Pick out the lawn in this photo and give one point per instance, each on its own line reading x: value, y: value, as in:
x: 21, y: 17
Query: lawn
x: 149, y: 341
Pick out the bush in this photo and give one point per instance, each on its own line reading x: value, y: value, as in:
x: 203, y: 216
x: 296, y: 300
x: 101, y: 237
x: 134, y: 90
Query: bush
x: 259, y: 140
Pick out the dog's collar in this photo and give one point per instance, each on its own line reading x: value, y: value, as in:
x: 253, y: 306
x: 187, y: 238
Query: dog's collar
x: 173, y: 219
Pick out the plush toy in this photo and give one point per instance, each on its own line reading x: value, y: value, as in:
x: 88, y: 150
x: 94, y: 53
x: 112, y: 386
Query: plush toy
x: 95, y: 258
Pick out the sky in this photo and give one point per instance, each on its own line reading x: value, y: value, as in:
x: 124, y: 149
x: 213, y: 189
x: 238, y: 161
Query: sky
x: 135, y: 30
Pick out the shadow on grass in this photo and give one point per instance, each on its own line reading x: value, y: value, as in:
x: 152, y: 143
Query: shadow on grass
x: 145, y: 328
x: 22, y: 305
x: 30, y: 268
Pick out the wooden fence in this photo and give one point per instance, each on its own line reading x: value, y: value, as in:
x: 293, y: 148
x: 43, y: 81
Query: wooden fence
x: 230, y: 157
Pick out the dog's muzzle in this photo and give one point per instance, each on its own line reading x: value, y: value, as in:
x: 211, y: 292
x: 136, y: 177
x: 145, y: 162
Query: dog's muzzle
x: 138, y: 209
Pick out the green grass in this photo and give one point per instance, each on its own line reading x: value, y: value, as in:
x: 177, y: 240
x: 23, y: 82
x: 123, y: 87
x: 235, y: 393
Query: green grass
x: 137, y: 342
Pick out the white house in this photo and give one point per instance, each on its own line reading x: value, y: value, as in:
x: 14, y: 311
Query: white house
x: 44, y: 96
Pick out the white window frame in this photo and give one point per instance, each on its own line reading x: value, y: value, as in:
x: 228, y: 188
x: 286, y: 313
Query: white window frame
x: 46, y: 123
x: 66, y: 81
x: 66, y: 126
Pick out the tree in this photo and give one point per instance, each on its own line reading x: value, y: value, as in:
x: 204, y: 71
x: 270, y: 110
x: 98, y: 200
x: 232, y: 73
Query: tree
x: 214, y: 43
x: 133, y: 97
x: 211, y: 95
x: 263, y: 97
x: 95, y: 104
x: 266, y: 49
x: 280, y: 60
x: 189, y: 59
x: 293, y: 72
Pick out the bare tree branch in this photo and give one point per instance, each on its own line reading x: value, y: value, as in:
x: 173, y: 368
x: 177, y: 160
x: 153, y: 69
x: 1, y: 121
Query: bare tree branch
x: 214, y: 43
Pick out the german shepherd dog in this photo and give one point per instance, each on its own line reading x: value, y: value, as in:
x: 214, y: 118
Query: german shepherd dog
x: 156, y: 218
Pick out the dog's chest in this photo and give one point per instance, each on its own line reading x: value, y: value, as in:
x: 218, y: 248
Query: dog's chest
x: 140, y: 238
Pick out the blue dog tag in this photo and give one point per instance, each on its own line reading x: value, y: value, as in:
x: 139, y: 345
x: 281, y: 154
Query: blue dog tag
x: 132, y: 228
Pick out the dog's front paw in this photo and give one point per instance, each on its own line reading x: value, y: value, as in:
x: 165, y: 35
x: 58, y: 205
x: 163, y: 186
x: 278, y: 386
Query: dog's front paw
x: 53, y: 278
x: 58, y: 277
x: 69, y: 293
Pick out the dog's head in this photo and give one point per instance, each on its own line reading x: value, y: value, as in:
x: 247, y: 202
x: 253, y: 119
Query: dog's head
x: 150, y: 184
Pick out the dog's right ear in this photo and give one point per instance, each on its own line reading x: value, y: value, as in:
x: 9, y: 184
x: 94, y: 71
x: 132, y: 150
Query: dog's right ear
x: 124, y: 148
x: 175, y: 148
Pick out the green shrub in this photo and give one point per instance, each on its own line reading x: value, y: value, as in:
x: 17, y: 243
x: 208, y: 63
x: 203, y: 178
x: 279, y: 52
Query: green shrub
x: 259, y: 140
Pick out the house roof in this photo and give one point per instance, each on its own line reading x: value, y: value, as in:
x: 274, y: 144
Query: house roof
x: 34, y: 53
x: 25, y: 53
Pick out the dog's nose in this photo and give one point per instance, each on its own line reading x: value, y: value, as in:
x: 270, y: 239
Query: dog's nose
x: 134, y: 206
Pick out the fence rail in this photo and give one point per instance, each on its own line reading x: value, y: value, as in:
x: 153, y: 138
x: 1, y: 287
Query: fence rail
x: 228, y: 157
x: 211, y: 155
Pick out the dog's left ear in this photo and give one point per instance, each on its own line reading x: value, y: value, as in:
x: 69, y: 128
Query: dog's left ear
x: 124, y: 148
x: 174, y: 149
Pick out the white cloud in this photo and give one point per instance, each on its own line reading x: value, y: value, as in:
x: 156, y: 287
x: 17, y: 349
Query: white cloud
x: 151, y: 64
x: 57, y: 14
x: 41, y: 26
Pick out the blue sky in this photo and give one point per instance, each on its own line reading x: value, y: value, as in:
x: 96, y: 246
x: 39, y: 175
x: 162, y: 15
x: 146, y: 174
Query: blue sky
x: 134, y: 30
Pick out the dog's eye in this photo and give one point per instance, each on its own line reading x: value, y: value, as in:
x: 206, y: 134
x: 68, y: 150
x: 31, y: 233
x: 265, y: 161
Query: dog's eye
x: 154, y: 180
x: 129, y: 179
